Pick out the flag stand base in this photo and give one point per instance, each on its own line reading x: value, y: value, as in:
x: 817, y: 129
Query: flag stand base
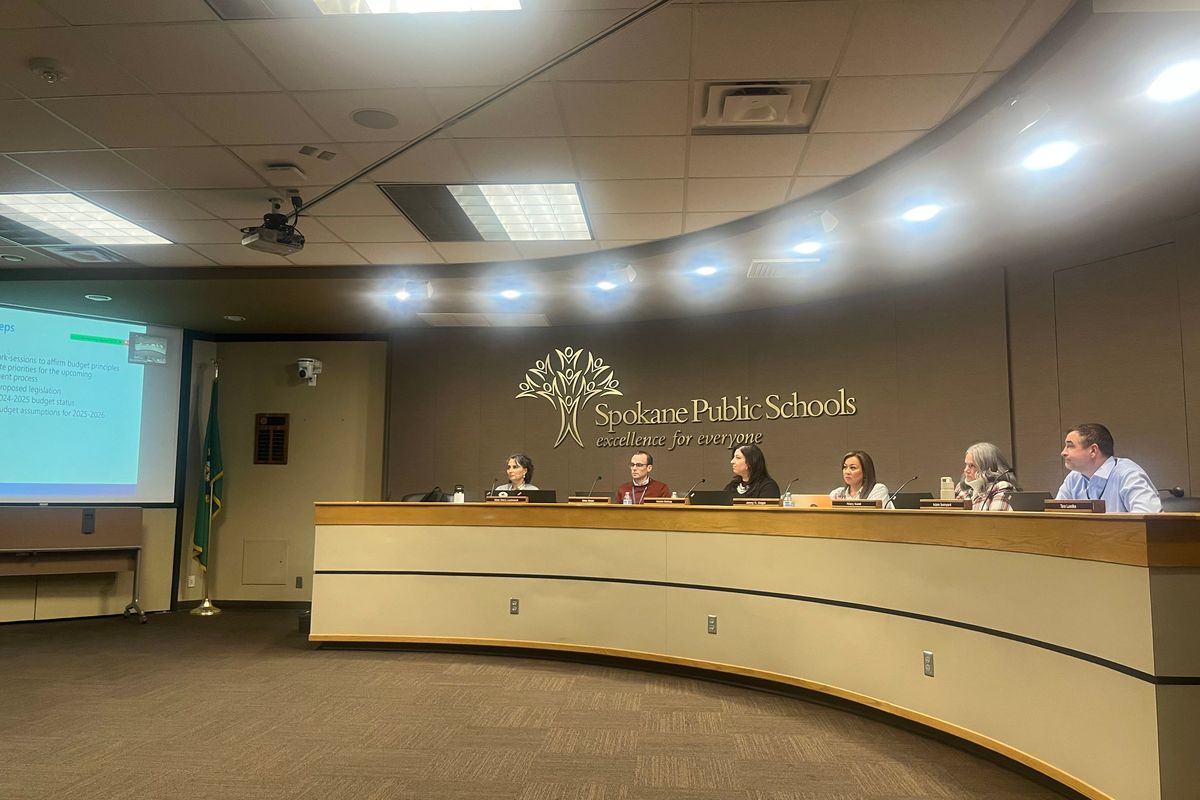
x: 206, y: 609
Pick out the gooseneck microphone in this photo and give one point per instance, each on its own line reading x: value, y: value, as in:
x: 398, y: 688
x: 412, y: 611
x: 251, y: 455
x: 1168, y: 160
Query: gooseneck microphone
x: 1174, y: 491
x: 593, y: 486
x: 892, y: 497
x: 492, y: 490
x: 788, y: 488
x: 694, y: 485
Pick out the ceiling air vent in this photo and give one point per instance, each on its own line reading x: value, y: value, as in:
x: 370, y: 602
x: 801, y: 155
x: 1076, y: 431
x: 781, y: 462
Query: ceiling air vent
x: 778, y: 267
x: 762, y: 107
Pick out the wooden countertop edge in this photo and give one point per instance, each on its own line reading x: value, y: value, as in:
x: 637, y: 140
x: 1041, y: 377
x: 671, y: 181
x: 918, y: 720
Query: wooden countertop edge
x: 966, y: 734
x: 1137, y: 540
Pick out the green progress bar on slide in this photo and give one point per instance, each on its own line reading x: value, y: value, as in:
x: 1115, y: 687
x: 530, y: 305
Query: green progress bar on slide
x: 83, y: 337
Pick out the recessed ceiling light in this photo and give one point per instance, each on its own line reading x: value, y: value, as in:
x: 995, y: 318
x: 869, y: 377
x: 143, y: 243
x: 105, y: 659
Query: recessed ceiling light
x: 99, y: 298
x: 706, y: 270
x: 1176, y: 83
x: 922, y: 213
x: 375, y: 118
x: 72, y: 219
x: 15, y: 259
x: 807, y: 247
x: 413, y: 6
x: 524, y: 212
x: 403, y: 294
x: 606, y: 285
x: 1051, y: 155
x: 510, y: 294
x: 235, y: 318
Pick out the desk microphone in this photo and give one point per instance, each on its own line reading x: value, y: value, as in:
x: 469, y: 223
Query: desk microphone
x: 789, y: 486
x: 492, y: 490
x: 892, y: 497
x: 593, y: 486
x: 1174, y: 491
x: 694, y: 485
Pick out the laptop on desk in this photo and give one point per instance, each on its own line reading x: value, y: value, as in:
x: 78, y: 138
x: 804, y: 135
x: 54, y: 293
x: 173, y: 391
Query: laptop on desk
x: 911, y: 499
x: 1028, y: 501
x: 718, y: 497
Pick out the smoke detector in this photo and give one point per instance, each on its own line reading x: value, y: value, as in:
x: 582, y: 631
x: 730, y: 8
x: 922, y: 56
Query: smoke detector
x: 48, y: 70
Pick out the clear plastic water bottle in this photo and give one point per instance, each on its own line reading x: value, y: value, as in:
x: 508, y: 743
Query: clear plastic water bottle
x: 627, y: 499
x: 459, y: 495
x: 787, y: 500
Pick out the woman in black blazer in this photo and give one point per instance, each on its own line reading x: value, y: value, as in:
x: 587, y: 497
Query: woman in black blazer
x: 750, y: 476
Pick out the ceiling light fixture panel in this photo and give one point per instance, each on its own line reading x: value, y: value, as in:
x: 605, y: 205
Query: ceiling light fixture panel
x: 72, y: 219
x: 523, y: 212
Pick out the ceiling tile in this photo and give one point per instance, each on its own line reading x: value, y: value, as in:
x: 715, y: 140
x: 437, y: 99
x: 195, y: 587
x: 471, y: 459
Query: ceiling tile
x: 31, y: 258
x: 1034, y: 24
x: 326, y: 255
x: 108, y: 12
x: 90, y: 71
x: 554, y: 249
x: 26, y: 14
x: 128, y: 121
x: 630, y: 157
x: 849, y: 153
x: 609, y: 197
x: 90, y: 169
x: 530, y: 110
x: 655, y: 48
x: 372, y: 229
x: 358, y: 199
x: 147, y: 205
x: 636, y: 108
x: 250, y: 118
x: 735, y: 194
x: 8, y: 94
x: 162, y: 255
x: 194, y: 167
x: 392, y: 253
x: 194, y: 231
x: 616, y: 227
x: 469, y: 252
x: 234, y: 255
x: 982, y: 82
x: 24, y: 126
x: 16, y: 178
x: 191, y: 57
x: 924, y: 37
x: 536, y: 160
x: 889, y: 104
x: 432, y: 161
x: 316, y: 171
x: 233, y: 204
x: 769, y: 41
x: 744, y: 156
x: 333, y: 110
x: 703, y: 220
x: 802, y: 187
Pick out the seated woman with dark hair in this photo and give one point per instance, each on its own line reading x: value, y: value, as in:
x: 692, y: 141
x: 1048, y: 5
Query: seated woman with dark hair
x: 858, y: 479
x: 520, y: 474
x: 987, y: 479
x: 750, y: 476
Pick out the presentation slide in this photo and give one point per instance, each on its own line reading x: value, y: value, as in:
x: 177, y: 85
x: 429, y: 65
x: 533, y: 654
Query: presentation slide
x: 88, y: 409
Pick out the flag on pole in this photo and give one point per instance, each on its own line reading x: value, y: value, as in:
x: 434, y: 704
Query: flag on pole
x: 208, y: 501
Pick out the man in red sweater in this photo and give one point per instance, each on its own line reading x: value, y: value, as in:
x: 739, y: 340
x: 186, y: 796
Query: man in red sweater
x: 642, y: 485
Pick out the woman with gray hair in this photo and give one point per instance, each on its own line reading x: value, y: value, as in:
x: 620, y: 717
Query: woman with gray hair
x: 988, y: 479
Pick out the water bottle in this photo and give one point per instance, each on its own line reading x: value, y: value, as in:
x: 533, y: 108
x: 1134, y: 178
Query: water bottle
x: 674, y: 495
x: 627, y: 499
x: 459, y: 495
x: 787, y: 500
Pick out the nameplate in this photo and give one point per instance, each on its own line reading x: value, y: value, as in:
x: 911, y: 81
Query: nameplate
x: 588, y: 500
x: 758, y: 501
x: 1077, y: 506
x: 506, y: 498
x: 664, y: 501
x: 852, y: 503
x: 945, y: 505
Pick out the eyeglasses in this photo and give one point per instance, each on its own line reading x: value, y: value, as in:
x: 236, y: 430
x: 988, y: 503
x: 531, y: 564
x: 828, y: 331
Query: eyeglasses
x: 635, y: 464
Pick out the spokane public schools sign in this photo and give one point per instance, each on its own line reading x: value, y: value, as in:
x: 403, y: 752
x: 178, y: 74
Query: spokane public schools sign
x: 571, y: 379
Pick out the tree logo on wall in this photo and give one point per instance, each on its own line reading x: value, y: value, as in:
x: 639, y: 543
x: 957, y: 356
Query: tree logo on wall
x: 562, y: 382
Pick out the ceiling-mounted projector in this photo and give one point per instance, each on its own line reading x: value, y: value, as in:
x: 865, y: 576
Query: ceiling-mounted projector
x: 275, y: 235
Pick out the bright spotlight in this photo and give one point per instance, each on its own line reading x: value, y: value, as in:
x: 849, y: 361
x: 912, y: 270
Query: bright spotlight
x: 706, y: 270
x: 606, y: 286
x: 403, y: 294
x: 922, y: 213
x: 807, y: 247
x: 510, y: 294
x: 616, y: 276
x: 1051, y: 155
x: 413, y: 289
x: 1176, y: 83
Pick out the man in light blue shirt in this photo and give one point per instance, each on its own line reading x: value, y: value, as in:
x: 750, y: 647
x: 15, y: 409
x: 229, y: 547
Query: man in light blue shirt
x: 1096, y: 474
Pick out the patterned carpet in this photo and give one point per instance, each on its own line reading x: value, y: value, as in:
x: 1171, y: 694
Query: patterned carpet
x: 242, y: 706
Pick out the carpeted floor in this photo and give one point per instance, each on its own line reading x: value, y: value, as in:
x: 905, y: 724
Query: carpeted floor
x: 242, y: 706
